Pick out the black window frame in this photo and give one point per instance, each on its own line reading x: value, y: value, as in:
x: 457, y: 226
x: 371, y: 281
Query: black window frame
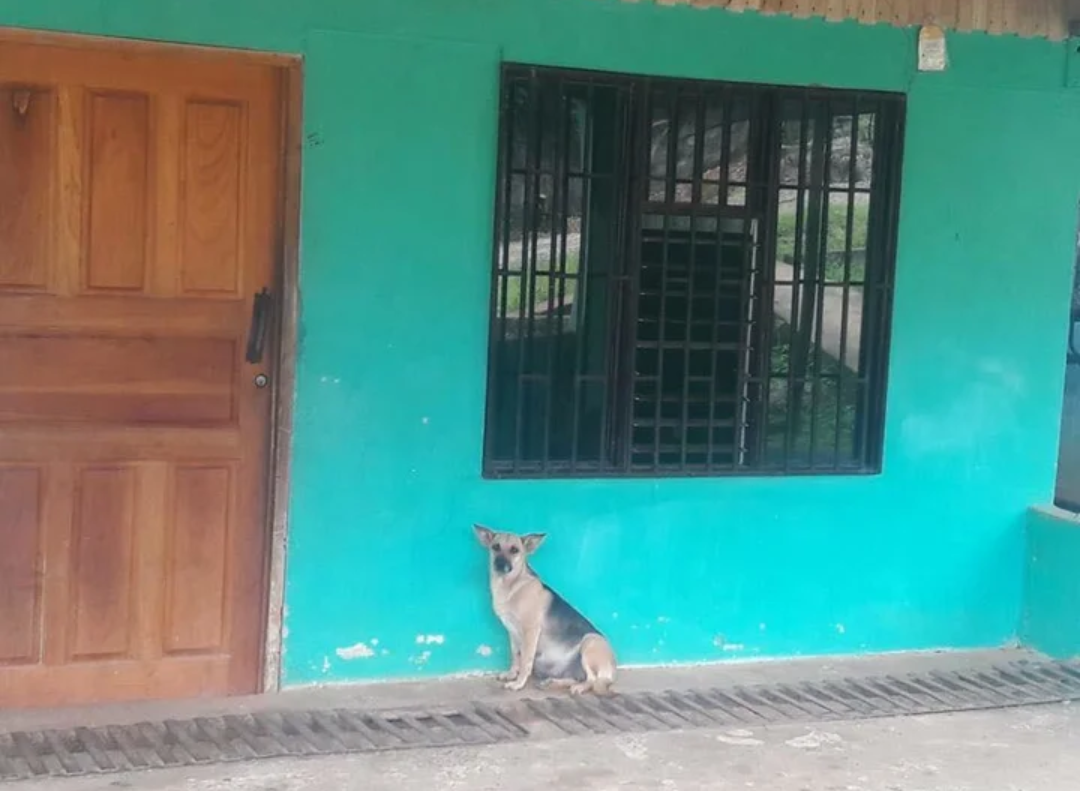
x: 761, y: 196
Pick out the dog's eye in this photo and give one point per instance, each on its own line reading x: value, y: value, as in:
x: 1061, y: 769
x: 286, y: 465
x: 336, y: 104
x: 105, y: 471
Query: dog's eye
x: 514, y: 550
x: 495, y: 547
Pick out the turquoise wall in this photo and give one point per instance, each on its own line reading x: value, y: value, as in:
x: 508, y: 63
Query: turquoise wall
x: 1051, y: 619
x: 396, y: 243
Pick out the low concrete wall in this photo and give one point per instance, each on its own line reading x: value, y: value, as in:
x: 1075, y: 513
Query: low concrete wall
x: 1051, y: 614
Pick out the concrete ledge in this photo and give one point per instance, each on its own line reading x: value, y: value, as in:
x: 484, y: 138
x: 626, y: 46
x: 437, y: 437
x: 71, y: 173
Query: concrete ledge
x: 1056, y: 514
x: 1050, y: 622
x: 451, y: 692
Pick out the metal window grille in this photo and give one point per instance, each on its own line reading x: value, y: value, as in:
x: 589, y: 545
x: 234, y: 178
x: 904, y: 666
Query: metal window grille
x: 690, y: 278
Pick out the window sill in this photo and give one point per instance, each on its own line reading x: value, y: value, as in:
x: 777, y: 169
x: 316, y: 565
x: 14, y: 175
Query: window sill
x: 1058, y: 514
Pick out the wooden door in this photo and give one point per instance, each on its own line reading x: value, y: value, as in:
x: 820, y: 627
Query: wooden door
x: 139, y: 207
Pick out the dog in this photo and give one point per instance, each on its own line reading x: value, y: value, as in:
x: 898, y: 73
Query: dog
x: 550, y: 641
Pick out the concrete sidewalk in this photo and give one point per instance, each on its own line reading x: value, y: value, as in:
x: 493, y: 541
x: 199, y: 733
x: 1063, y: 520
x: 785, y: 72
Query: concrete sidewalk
x: 457, y: 691
x: 1036, y: 749
x: 1026, y: 749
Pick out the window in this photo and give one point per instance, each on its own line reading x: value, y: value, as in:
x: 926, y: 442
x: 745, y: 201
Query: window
x: 1067, y: 491
x: 689, y: 278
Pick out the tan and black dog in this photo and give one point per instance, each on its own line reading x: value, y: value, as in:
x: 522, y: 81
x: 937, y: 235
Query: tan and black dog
x: 550, y: 640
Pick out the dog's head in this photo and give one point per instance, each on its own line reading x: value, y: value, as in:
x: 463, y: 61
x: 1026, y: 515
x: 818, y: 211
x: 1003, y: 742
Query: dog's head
x: 508, y: 551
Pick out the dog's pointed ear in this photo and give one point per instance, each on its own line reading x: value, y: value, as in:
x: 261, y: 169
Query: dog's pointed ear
x: 532, y: 542
x: 484, y: 535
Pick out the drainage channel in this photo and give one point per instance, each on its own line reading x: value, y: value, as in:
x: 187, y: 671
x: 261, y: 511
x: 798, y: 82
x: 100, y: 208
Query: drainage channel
x: 232, y: 738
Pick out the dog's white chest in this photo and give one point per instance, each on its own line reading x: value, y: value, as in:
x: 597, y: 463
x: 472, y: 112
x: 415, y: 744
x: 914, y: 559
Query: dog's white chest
x: 505, y: 614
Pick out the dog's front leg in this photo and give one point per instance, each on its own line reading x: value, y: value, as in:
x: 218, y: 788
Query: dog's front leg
x: 529, y: 642
x: 515, y: 659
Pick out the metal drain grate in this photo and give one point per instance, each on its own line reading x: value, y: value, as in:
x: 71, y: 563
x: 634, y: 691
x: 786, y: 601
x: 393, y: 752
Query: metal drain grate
x: 205, y: 740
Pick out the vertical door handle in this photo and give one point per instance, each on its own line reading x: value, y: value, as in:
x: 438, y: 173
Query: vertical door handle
x: 260, y: 320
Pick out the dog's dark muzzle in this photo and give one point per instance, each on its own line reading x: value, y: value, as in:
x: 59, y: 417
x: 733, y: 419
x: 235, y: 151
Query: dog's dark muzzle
x: 501, y: 564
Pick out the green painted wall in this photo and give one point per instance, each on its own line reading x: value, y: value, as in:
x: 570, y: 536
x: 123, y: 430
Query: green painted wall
x: 1051, y: 619
x: 396, y: 242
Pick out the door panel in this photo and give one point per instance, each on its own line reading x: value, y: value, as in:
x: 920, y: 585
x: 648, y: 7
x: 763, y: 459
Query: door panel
x: 139, y: 201
x: 20, y: 562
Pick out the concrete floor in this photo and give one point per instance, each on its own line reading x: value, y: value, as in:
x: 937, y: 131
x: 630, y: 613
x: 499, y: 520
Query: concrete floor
x: 1032, y: 749
x: 1035, y: 749
x: 452, y: 692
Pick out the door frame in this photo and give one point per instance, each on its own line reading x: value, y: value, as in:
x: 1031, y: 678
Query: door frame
x: 279, y: 477
x: 286, y: 286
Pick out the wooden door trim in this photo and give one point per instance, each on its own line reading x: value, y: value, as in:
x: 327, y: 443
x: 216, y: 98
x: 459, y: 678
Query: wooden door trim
x: 83, y: 41
x: 288, y: 287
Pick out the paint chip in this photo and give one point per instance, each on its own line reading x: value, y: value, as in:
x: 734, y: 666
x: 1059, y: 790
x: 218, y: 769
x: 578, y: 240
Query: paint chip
x: 840, y: 628
x: 358, y: 651
x: 740, y: 737
x: 483, y: 650
x: 633, y: 747
x: 815, y: 740
x: 663, y: 619
x: 421, y: 660
x: 430, y: 639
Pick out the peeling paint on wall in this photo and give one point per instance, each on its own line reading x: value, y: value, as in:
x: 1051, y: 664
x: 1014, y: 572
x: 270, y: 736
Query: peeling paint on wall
x: 358, y: 651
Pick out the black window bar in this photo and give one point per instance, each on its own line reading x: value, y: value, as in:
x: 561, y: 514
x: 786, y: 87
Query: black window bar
x: 690, y: 278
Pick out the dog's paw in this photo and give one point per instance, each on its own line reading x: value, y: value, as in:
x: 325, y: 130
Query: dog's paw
x: 516, y: 685
x: 509, y: 675
x: 580, y: 689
